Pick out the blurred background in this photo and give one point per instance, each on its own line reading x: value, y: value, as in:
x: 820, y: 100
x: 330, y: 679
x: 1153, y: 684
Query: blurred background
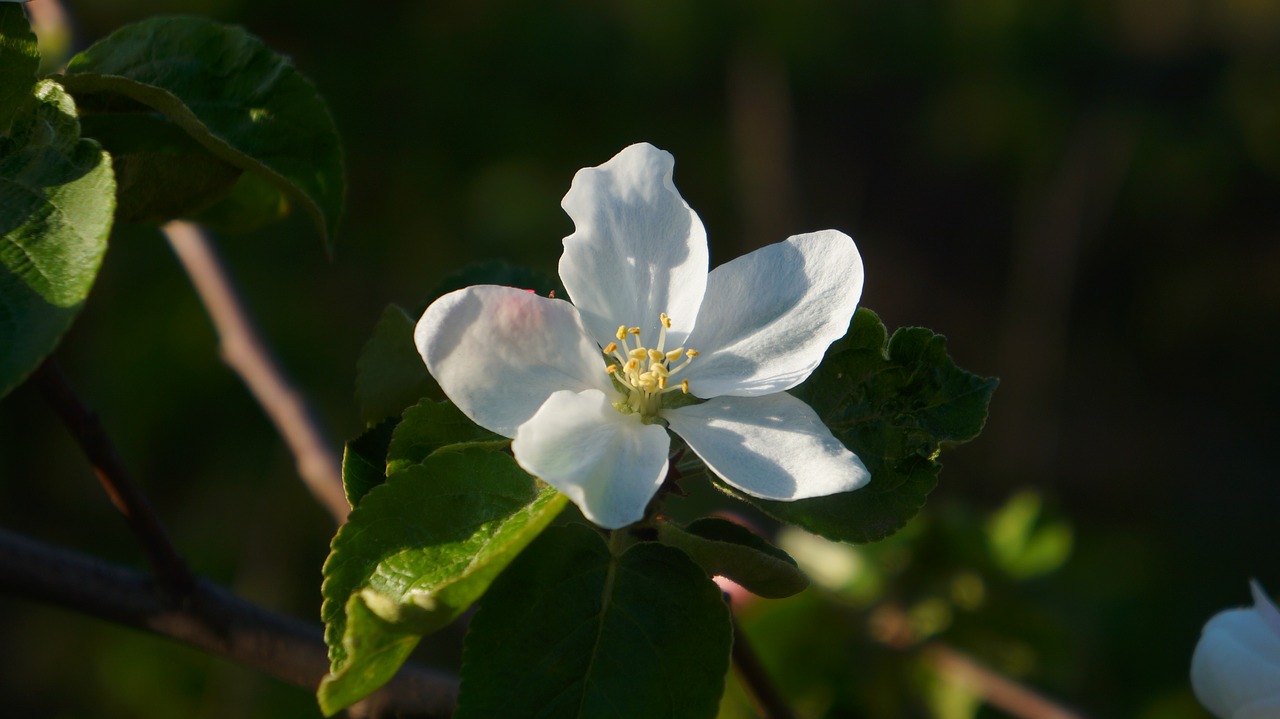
x: 1082, y: 195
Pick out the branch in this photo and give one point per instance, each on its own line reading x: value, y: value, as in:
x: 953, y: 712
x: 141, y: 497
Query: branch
x: 170, y: 570
x: 764, y: 695
x: 318, y: 464
x: 209, y: 618
x: 995, y: 689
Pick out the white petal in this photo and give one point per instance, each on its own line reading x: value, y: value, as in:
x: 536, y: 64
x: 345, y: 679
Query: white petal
x: 637, y: 251
x: 500, y: 352
x: 607, y: 463
x: 773, y: 447
x: 1236, y: 663
x: 769, y: 316
x: 1268, y: 708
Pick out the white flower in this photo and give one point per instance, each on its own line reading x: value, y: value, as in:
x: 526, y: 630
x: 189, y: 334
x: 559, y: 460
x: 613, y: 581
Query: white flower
x: 1235, y: 670
x: 585, y: 389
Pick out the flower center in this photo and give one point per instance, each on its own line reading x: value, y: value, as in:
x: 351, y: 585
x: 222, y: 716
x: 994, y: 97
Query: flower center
x: 646, y: 373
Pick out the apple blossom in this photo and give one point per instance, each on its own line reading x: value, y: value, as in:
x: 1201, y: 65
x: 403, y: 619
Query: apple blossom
x: 588, y: 390
x: 1235, y: 670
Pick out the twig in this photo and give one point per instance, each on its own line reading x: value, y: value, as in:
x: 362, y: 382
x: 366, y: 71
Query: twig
x: 764, y: 695
x: 211, y: 619
x: 241, y: 349
x: 997, y: 690
x: 169, y: 568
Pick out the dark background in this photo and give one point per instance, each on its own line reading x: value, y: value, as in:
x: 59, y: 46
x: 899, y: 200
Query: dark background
x: 1080, y: 195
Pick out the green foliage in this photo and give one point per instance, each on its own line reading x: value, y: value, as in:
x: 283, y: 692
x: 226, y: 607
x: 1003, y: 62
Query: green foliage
x: 415, y: 553
x: 896, y: 407
x: 572, y: 629
x: 251, y: 203
x: 57, y: 194
x: 402, y: 442
x: 242, y: 102
x: 161, y: 172
x: 390, y: 375
x: 1024, y: 543
x: 723, y: 548
x: 428, y: 426
x: 364, y: 460
x: 19, y: 56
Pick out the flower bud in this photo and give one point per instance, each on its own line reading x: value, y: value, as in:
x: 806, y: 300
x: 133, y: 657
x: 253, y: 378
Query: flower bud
x: 1235, y: 669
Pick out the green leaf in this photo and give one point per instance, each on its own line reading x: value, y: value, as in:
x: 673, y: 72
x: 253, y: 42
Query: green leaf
x: 417, y: 551
x: 364, y: 460
x: 571, y: 630
x: 895, y: 407
x: 1023, y: 542
x: 253, y: 202
x: 723, y: 548
x: 390, y: 374
x: 161, y: 172
x: 19, y: 56
x: 240, y: 100
x: 57, y: 195
x: 429, y: 426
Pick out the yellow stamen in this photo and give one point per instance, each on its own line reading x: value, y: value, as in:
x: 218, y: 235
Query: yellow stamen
x: 634, y: 331
x: 691, y: 354
x: 656, y: 356
x: 621, y: 334
x: 611, y: 348
x: 684, y: 386
x: 638, y: 354
x: 674, y: 355
x: 666, y: 321
x: 611, y: 369
x: 633, y: 365
x: 660, y: 369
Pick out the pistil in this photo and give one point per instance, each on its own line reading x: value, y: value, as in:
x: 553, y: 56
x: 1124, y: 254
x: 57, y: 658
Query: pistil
x: 646, y: 372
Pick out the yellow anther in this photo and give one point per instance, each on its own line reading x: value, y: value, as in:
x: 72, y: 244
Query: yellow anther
x: 647, y: 381
x: 633, y: 365
x: 634, y: 331
x: 691, y: 354
x: 660, y: 369
x: 674, y: 355
x: 611, y: 348
x: 666, y: 321
x: 684, y: 386
x: 656, y: 356
x: 611, y: 369
x: 621, y: 334
x: 638, y: 354
x: 662, y: 381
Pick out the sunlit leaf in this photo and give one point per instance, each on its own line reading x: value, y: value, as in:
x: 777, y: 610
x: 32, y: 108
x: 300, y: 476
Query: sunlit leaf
x: 57, y: 195
x: 415, y: 553
x: 428, y: 426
